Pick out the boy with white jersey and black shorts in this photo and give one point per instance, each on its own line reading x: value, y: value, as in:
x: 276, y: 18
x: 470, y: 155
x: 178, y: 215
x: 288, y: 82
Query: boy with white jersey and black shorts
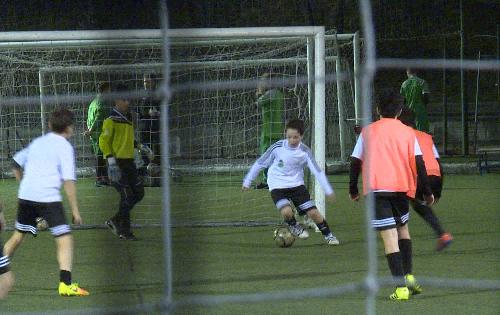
x: 286, y: 160
x: 42, y: 167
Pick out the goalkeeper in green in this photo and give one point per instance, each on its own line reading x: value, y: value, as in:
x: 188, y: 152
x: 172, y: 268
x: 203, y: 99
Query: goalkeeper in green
x: 271, y: 102
x: 416, y: 95
x: 96, y: 114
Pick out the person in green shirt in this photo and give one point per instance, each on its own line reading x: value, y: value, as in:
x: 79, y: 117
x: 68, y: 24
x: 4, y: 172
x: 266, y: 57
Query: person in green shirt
x: 271, y: 102
x: 95, y: 117
x: 415, y: 91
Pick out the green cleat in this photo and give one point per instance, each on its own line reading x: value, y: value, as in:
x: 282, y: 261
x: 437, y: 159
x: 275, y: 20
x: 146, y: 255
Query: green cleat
x: 412, y: 284
x: 71, y: 290
x: 400, y: 294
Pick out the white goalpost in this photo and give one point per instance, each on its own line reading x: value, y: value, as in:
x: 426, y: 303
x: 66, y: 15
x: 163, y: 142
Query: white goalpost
x: 216, y: 127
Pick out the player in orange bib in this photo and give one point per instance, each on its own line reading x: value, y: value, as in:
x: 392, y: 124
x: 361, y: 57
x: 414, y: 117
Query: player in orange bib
x: 389, y: 156
x: 435, y: 173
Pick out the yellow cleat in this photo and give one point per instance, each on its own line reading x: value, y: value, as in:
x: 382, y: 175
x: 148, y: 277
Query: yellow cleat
x: 71, y: 290
x: 400, y: 294
x: 412, y: 284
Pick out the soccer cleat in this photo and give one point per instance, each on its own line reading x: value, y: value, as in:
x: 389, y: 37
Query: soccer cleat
x: 309, y: 224
x: 331, y: 239
x: 261, y: 186
x: 112, y: 226
x: 444, y: 241
x: 71, y: 290
x: 298, y: 231
x: 128, y: 237
x: 412, y: 284
x: 400, y: 294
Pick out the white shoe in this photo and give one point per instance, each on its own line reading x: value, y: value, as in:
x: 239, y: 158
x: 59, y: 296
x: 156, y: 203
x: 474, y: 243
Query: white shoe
x: 331, y: 240
x: 298, y: 231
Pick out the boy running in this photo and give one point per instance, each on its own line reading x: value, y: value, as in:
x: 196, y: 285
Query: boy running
x: 394, y: 157
x: 435, y: 174
x: 42, y: 167
x: 286, y: 160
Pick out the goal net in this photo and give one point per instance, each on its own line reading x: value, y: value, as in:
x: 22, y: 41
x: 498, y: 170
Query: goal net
x: 214, y: 130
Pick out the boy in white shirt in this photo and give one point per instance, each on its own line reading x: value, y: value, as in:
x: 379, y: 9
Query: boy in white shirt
x: 42, y: 167
x: 286, y: 160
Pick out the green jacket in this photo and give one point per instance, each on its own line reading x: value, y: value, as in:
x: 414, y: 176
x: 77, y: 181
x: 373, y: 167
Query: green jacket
x: 272, y: 104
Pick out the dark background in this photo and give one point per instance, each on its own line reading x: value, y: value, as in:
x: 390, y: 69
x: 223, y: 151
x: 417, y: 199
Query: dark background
x: 406, y: 28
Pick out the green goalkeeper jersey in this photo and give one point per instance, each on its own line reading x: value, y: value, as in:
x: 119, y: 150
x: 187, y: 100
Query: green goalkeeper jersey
x: 413, y: 90
x: 272, y: 105
x: 96, y: 116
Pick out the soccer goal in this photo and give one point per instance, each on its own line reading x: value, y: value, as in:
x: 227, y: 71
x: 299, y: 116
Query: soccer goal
x: 214, y: 120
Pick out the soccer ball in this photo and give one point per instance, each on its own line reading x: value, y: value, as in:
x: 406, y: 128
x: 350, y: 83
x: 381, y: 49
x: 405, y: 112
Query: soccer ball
x: 41, y: 224
x: 283, y: 237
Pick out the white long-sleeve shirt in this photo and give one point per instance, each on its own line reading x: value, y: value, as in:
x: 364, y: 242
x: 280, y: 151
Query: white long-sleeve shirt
x: 286, y: 167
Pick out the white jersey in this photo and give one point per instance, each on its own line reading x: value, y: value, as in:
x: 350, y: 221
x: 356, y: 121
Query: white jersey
x: 47, y: 162
x: 286, y: 167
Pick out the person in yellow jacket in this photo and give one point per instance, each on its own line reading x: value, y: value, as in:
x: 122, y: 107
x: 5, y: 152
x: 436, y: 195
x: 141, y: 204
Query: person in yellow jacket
x: 117, y: 144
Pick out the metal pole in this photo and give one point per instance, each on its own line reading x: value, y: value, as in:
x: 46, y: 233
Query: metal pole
x: 42, y: 105
x: 357, y: 78
x: 340, y: 102
x: 310, y: 74
x: 477, y: 102
x: 319, y: 113
x: 463, y: 101
x: 369, y: 69
x: 498, y: 58
x: 445, y: 103
x: 167, y: 226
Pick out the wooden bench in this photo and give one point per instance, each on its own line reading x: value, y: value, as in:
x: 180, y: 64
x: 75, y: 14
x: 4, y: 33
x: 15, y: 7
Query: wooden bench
x: 483, y: 153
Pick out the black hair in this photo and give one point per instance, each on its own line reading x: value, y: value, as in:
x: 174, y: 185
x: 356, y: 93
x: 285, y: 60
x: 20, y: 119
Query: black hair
x: 407, y: 117
x: 60, y: 119
x: 297, y: 124
x: 389, y: 103
x: 411, y: 71
x: 103, y: 86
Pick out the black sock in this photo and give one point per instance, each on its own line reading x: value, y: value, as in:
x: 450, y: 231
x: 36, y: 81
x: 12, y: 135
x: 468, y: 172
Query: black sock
x: 428, y: 215
x: 65, y: 276
x: 406, y: 255
x: 324, y: 228
x: 396, y: 266
x: 291, y: 221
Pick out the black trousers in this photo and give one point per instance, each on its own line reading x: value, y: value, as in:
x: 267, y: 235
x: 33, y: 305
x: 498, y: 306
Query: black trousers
x: 101, y: 168
x: 131, y: 191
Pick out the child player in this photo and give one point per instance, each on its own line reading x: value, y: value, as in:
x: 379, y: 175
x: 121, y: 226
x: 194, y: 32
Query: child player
x: 42, y: 167
x: 435, y: 173
x: 6, y: 276
x: 286, y: 160
x: 389, y: 155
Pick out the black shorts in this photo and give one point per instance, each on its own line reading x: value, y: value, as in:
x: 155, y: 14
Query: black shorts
x: 298, y: 195
x: 52, y: 212
x: 391, y: 210
x: 4, y: 261
x: 436, y: 185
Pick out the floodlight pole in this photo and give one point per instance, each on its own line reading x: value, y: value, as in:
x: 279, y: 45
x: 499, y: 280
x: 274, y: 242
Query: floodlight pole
x: 463, y: 100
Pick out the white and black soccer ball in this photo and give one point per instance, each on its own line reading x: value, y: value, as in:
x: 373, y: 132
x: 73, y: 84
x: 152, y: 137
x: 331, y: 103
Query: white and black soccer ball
x: 283, y: 237
x: 41, y: 224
